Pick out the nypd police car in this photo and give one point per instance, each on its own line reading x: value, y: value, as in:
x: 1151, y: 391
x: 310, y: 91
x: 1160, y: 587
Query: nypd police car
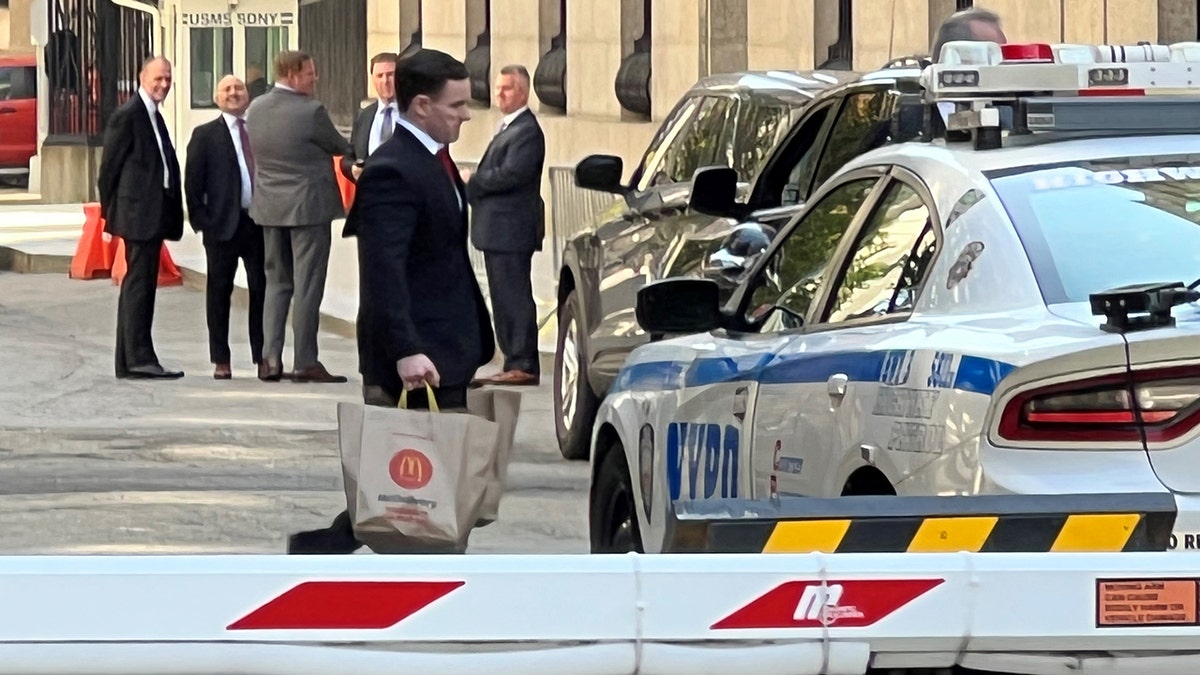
x: 1004, y: 306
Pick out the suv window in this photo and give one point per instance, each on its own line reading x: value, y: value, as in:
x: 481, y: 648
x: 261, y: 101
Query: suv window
x: 706, y: 141
x: 892, y: 253
x: 792, y: 277
x: 863, y: 124
x: 670, y: 130
x: 18, y: 83
x: 761, y: 125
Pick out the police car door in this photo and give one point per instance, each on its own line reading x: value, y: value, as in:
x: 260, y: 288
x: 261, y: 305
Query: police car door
x: 793, y: 425
x: 887, y: 380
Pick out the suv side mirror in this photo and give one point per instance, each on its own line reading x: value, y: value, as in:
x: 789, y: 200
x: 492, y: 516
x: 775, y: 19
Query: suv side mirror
x: 679, y: 305
x: 714, y: 191
x: 601, y: 173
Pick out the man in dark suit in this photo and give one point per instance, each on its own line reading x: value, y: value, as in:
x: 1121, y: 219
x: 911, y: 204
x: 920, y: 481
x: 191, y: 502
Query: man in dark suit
x: 421, y: 317
x: 377, y: 122
x: 141, y: 202
x: 296, y: 199
x: 220, y: 182
x: 508, y: 224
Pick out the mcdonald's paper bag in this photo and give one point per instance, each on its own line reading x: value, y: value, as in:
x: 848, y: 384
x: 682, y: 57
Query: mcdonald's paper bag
x: 419, y: 477
x: 503, y: 407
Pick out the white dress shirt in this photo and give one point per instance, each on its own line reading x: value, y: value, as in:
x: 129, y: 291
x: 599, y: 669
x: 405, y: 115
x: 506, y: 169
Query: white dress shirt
x: 510, y: 118
x: 247, y: 186
x: 376, y: 137
x: 431, y: 145
x: 152, y: 109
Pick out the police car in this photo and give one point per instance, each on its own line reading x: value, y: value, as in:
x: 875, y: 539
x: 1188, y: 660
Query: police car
x: 1003, y: 306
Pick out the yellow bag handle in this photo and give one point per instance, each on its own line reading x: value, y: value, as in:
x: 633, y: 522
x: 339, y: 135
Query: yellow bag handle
x: 433, y: 404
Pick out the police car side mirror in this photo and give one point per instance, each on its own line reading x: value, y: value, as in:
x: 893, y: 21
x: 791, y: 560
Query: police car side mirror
x: 679, y: 306
x: 714, y: 191
x: 601, y: 173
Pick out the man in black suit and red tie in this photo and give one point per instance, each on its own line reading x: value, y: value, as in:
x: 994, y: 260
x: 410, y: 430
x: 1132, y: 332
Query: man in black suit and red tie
x: 220, y: 182
x: 141, y: 201
x: 421, y: 317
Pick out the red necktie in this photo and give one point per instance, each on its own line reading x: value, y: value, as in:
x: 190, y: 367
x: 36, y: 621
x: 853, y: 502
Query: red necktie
x: 448, y: 164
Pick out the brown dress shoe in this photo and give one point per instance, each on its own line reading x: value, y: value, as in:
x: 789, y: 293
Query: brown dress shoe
x: 317, y: 373
x: 515, y: 378
x: 267, y: 373
x: 222, y: 372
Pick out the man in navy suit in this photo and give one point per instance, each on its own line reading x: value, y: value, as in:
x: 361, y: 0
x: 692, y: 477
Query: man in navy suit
x: 141, y: 202
x: 421, y: 316
x: 220, y: 182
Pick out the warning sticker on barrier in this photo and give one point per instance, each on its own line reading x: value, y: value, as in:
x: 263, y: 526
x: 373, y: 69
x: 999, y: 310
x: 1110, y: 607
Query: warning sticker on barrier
x: 1146, y: 602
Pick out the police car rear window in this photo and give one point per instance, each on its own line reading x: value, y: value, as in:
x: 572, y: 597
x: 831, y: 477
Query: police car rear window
x: 1095, y: 225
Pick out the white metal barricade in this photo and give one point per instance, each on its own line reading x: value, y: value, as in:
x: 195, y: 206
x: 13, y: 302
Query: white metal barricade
x: 817, y: 613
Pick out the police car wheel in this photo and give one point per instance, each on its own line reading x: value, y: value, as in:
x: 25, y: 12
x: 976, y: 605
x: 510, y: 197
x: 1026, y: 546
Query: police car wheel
x: 575, y: 404
x: 613, y: 515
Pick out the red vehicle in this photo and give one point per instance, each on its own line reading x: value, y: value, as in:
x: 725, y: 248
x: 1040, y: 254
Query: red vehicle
x: 18, y: 112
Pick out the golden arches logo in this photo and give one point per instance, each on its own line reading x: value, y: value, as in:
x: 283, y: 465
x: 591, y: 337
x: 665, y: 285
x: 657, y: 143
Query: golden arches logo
x: 410, y: 469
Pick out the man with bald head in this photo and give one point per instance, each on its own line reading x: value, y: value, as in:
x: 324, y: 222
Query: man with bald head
x: 220, y: 183
x: 141, y: 201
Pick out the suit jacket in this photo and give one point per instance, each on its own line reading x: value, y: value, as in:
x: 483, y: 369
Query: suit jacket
x: 213, y: 182
x: 130, y: 170
x: 417, y: 291
x: 508, y: 215
x: 360, y: 138
x: 294, y: 143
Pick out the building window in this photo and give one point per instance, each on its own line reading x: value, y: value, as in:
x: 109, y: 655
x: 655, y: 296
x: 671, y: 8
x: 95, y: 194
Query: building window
x: 479, y: 50
x: 262, y: 46
x: 633, y: 77
x: 210, y: 59
x: 410, y: 27
x: 550, y: 77
x: 965, y: 4
x: 93, y: 57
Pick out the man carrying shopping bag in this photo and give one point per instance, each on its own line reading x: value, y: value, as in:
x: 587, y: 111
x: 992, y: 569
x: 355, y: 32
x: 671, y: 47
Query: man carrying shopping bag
x: 422, y: 319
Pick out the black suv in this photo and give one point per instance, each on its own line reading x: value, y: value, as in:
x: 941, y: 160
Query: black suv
x: 754, y: 147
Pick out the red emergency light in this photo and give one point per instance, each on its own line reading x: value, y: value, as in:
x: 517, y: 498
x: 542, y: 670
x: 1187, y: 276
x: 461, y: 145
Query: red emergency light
x: 1035, y: 52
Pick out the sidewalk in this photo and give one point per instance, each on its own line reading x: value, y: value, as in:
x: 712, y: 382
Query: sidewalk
x: 41, y: 238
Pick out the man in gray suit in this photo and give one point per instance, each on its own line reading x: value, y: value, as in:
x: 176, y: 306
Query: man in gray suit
x: 296, y: 199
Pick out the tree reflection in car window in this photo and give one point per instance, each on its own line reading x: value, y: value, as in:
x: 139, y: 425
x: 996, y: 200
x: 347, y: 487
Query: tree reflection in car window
x: 893, y: 251
x: 789, y: 282
x: 671, y: 129
x: 760, y: 127
x: 863, y: 124
x: 705, y: 142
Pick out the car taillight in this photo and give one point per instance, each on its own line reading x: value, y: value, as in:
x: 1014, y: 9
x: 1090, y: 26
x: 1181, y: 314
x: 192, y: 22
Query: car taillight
x: 1163, y: 403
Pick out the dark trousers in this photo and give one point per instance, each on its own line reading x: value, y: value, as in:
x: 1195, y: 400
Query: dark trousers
x: 246, y: 245
x: 511, y: 288
x: 135, y: 306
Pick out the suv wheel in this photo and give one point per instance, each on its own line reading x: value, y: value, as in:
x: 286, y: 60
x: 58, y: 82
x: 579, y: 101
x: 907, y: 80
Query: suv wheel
x: 574, y: 403
x: 612, y: 514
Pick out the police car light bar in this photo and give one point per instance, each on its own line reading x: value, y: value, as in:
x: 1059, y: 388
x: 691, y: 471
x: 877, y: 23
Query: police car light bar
x: 1065, y: 87
x: 974, y: 70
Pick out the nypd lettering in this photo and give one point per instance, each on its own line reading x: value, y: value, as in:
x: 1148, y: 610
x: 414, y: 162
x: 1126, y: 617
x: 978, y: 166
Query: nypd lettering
x: 702, y: 460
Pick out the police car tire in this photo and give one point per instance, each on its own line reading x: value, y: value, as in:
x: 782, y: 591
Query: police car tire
x: 573, y: 441
x: 612, y: 481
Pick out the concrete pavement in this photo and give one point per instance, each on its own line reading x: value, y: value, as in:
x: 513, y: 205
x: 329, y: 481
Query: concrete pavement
x: 92, y: 464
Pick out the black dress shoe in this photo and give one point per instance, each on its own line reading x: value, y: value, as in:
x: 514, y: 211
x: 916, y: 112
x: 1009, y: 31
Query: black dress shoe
x: 338, y: 538
x: 152, y: 372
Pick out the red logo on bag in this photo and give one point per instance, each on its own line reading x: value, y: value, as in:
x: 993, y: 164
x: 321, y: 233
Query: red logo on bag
x: 410, y: 469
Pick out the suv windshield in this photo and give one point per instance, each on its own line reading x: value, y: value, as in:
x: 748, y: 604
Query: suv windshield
x: 1094, y: 225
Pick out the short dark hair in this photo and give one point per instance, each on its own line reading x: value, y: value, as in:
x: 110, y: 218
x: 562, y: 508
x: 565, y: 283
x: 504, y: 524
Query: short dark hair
x: 384, y: 57
x: 426, y: 72
x: 289, y: 62
x: 958, y: 27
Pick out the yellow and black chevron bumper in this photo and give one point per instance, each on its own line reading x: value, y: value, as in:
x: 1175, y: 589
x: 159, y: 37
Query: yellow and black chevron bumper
x: 983, y: 524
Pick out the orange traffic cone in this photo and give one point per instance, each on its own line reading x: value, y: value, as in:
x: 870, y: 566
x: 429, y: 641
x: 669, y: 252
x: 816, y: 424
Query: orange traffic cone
x: 344, y: 185
x: 168, y: 272
x: 94, y: 252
